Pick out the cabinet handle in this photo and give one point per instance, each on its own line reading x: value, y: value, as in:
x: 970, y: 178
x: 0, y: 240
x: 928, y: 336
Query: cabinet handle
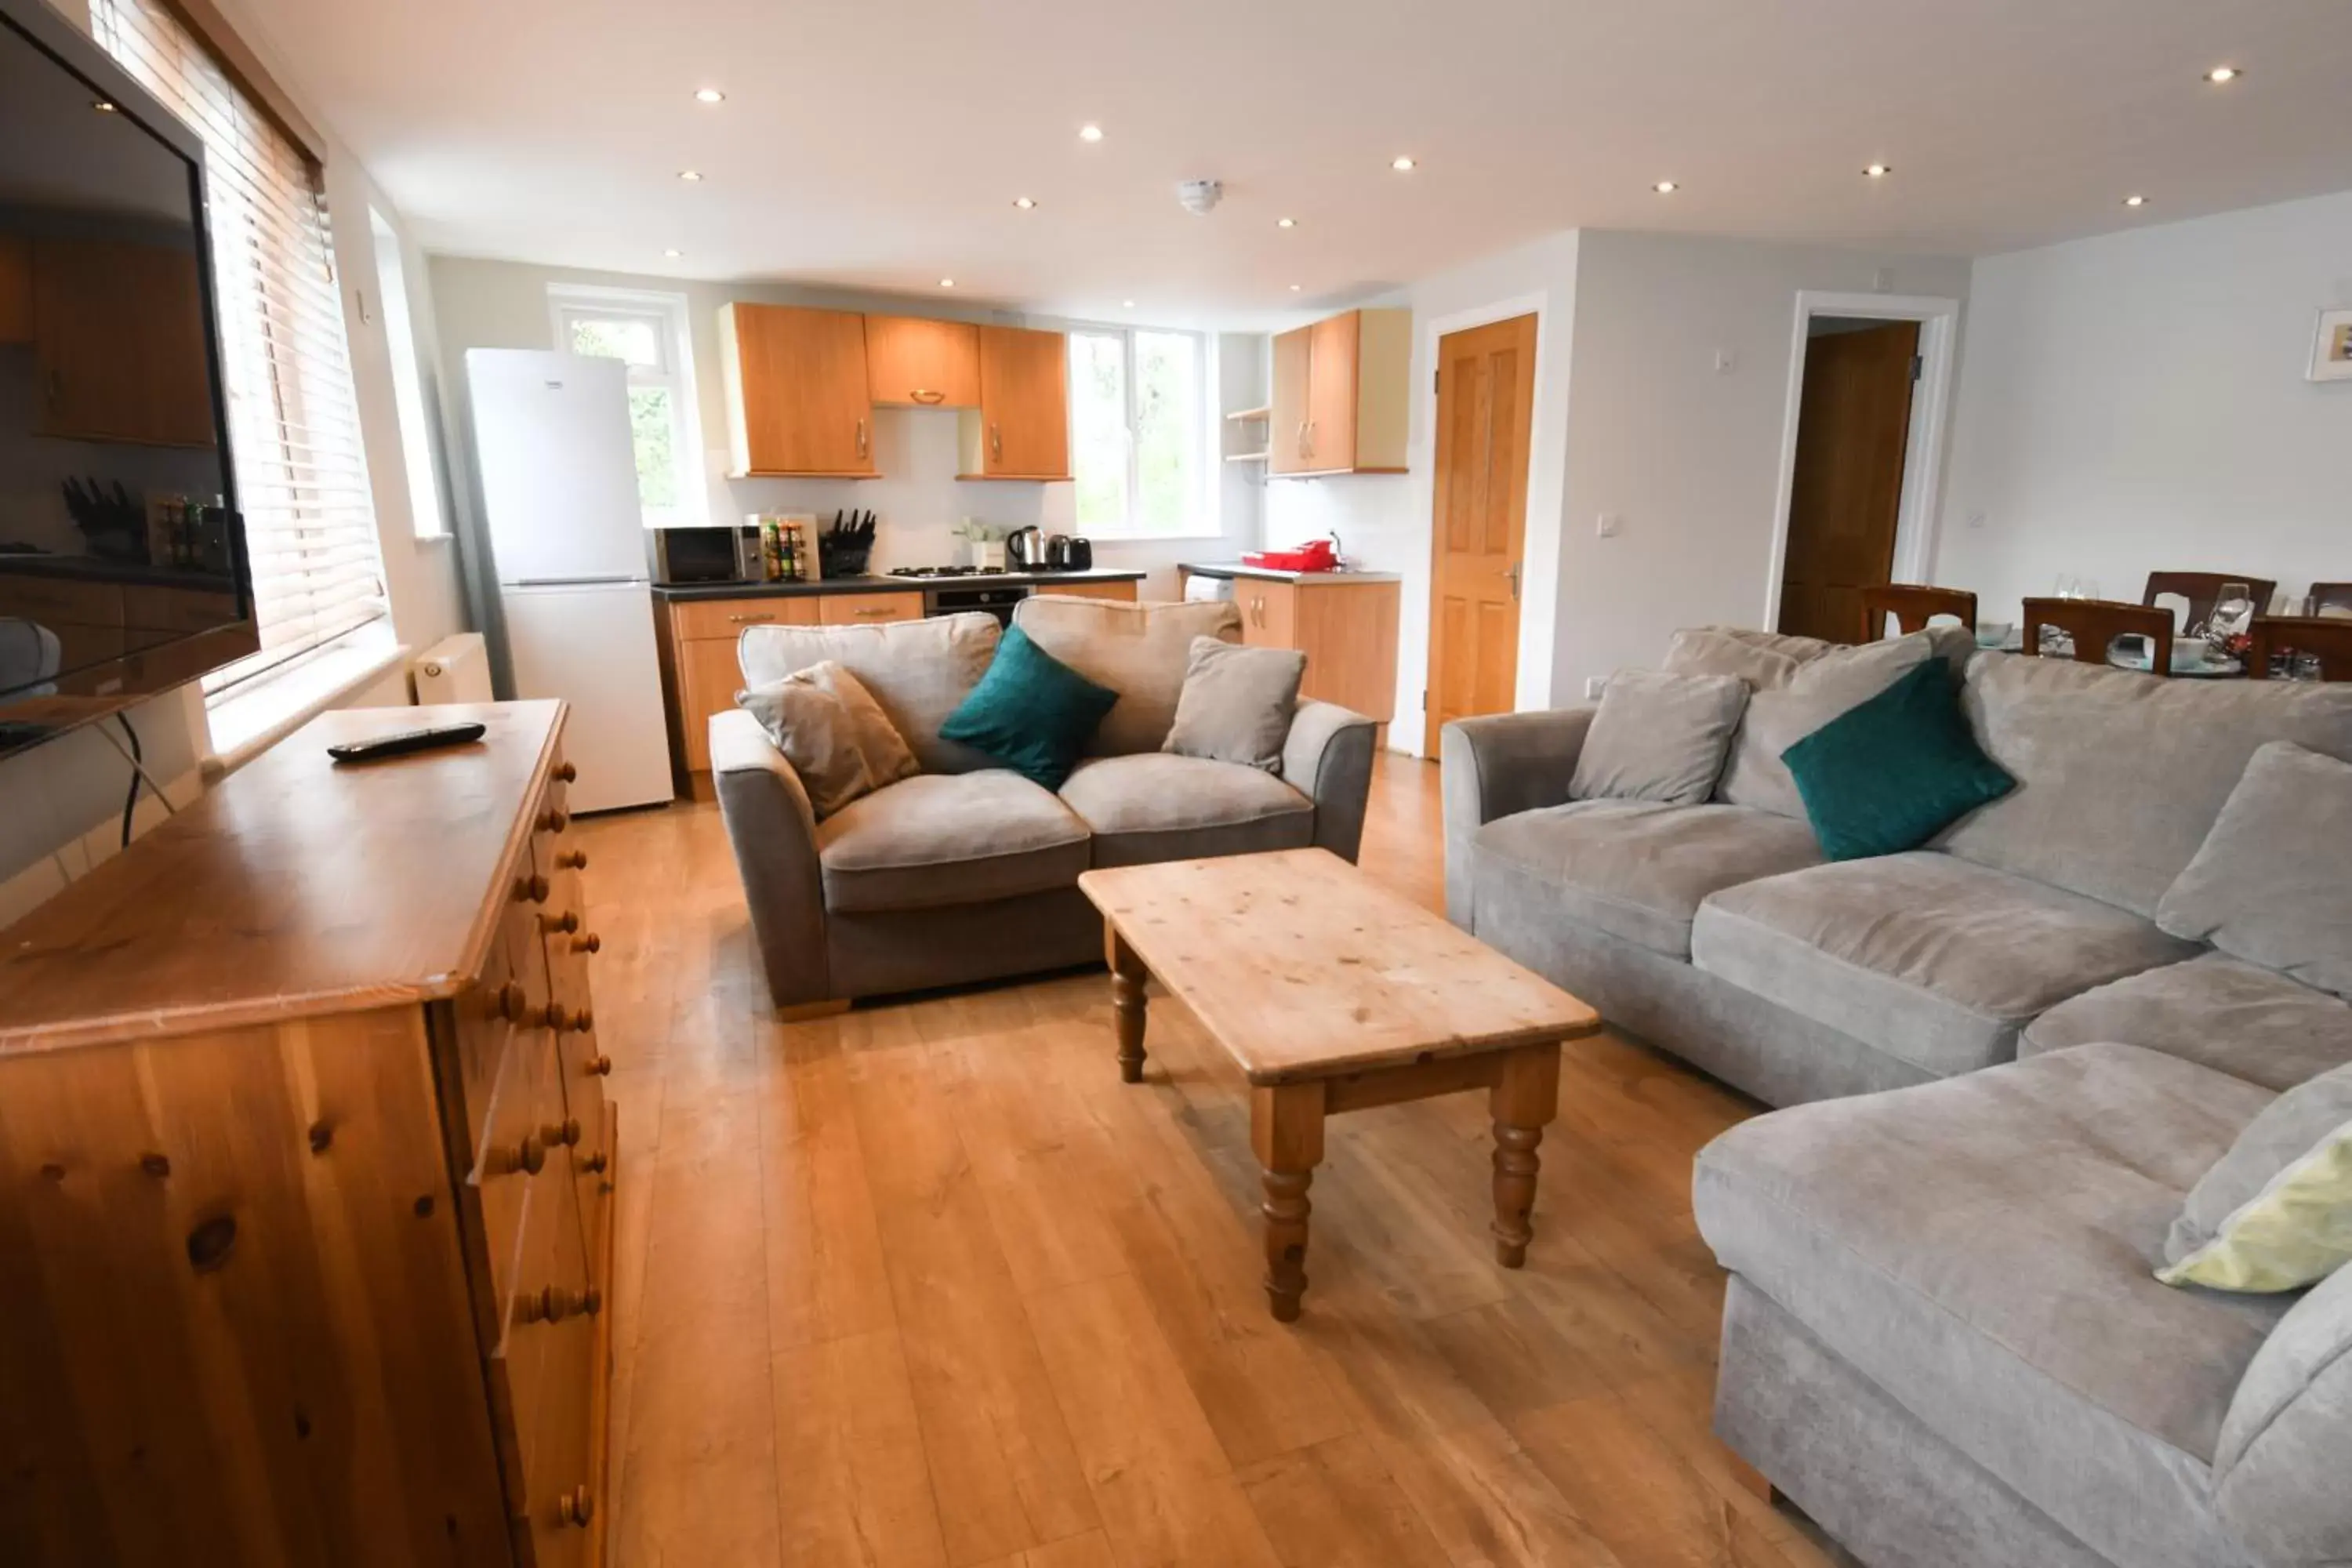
x: 530, y: 890
x: 926, y: 398
x: 562, y: 1020
x: 1310, y: 438
x: 565, y: 1134
x: 590, y: 943
x: 598, y: 1067
x: 996, y: 442
x: 507, y: 1002
x: 563, y: 924
x: 594, y: 1163
x: 874, y: 614
x: 861, y: 437
x: 553, y: 821
x: 57, y: 390
x: 571, y: 860
x: 750, y: 620
x: 568, y: 774
x: 1301, y: 442
x: 576, y: 1506
x: 528, y: 1156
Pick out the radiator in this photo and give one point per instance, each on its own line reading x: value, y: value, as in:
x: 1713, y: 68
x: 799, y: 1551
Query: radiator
x: 455, y: 669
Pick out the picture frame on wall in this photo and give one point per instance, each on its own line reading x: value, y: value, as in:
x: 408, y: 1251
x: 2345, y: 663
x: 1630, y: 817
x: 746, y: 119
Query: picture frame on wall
x: 2331, y: 350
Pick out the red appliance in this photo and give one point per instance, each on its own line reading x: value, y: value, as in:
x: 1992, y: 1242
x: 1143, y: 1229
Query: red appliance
x: 1315, y: 556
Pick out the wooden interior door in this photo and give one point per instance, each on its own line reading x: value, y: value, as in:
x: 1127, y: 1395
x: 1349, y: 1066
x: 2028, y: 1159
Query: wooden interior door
x: 1024, y: 403
x: 1286, y: 421
x: 1486, y: 392
x: 807, y: 407
x: 1331, y: 392
x: 1853, y: 426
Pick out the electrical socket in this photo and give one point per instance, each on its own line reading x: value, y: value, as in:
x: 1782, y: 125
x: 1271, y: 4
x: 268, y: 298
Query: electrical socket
x: 1607, y: 525
x: 1592, y: 685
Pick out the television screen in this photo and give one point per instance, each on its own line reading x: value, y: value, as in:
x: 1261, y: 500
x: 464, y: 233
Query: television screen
x: 122, y: 567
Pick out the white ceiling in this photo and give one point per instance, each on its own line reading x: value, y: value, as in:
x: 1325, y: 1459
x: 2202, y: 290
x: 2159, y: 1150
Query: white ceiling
x: 880, y: 144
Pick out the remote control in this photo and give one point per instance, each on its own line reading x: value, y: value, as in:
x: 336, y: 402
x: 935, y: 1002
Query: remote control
x: 405, y: 741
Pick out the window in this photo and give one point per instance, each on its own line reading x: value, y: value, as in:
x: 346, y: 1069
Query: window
x: 408, y: 384
x: 1137, y: 402
x: 294, y: 430
x: 647, y: 331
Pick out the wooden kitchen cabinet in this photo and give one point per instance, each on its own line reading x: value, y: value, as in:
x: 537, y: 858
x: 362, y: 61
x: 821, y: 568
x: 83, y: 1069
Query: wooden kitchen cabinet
x: 118, y: 343
x: 1340, y: 396
x: 922, y: 364
x: 1022, y: 428
x: 15, y: 289
x: 798, y: 398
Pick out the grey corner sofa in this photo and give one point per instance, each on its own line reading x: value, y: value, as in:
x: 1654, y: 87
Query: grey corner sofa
x: 1942, y: 1335
x: 967, y: 871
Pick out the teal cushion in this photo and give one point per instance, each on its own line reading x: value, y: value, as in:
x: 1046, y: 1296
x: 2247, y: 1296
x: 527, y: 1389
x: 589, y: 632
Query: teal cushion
x: 1890, y: 773
x: 1031, y: 711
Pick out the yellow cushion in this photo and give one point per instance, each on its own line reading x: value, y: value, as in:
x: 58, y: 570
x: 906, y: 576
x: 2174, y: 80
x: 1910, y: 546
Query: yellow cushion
x: 2296, y: 1231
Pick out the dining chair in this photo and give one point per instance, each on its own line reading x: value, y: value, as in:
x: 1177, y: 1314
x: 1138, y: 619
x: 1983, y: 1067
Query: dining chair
x: 1913, y: 605
x: 2203, y: 590
x: 2094, y: 624
x: 2326, y: 596
x: 2326, y: 638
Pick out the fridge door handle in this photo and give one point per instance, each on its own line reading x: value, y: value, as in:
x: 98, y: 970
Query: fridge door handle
x: 572, y: 582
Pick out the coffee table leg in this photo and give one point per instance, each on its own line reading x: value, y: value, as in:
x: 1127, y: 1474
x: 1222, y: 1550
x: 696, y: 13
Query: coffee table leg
x: 1525, y: 1098
x: 1286, y: 1132
x: 1126, y: 976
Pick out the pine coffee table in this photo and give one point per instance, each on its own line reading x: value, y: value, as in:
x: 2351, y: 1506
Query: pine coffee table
x: 1333, y: 993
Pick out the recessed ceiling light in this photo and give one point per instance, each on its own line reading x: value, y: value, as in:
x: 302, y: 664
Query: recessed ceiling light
x: 1026, y: 204
x: 1293, y: 287
x: 2221, y: 74
x: 2134, y: 201
x: 1665, y: 187
x: 1127, y: 304
x: 1285, y: 223
x: 673, y: 253
x: 1089, y: 133
x: 103, y: 106
x: 709, y: 95
x: 947, y: 282
x: 1878, y: 170
x: 1401, y: 164
x: 691, y: 176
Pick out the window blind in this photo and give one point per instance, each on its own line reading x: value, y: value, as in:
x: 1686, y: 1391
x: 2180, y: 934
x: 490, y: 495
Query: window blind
x: 294, y: 430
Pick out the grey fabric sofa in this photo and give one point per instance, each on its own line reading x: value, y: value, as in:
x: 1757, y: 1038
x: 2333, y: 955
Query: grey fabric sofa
x: 1942, y: 1335
x: 966, y: 872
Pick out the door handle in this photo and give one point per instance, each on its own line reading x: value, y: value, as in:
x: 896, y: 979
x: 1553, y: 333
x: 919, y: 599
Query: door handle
x: 1513, y: 574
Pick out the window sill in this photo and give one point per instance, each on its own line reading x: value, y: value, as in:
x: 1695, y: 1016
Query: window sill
x: 257, y: 716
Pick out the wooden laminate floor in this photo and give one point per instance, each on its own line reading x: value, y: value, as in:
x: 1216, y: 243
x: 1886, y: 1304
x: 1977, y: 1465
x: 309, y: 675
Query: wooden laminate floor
x: 925, y: 1285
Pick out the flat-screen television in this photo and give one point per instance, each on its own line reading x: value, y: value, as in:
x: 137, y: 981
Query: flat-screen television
x: 122, y: 558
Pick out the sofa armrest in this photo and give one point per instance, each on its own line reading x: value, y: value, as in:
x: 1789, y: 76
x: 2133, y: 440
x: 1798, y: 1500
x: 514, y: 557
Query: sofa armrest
x: 772, y: 829
x: 1499, y: 767
x: 1328, y: 755
x: 2278, y: 1470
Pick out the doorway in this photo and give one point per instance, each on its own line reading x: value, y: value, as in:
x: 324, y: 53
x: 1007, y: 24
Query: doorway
x: 1486, y: 394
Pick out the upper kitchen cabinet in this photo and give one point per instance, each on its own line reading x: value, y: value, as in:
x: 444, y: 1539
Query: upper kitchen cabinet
x: 1340, y: 396
x: 1022, y: 428
x: 798, y: 401
x: 922, y: 364
x: 119, y: 343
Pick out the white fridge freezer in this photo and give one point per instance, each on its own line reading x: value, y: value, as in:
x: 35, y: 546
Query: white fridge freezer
x: 591, y: 644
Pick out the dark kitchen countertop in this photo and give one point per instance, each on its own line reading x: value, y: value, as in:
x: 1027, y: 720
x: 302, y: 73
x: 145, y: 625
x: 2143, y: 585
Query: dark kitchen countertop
x: 877, y: 583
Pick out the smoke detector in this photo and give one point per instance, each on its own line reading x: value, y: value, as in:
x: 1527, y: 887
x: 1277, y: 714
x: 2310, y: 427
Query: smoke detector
x: 1198, y: 196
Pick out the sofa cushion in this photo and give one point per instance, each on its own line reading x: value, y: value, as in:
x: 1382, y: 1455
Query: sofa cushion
x: 1659, y: 736
x: 835, y: 734
x: 2272, y: 882
x: 1237, y: 703
x: 1779, y: 716
x: 2287, y: 1131
x: 2228, y: 1014
x: 1155, y: 805
x: 1763, y: 659
x: 1934, y: 961
x: 2120, y: 776
x: 949, y: 838
x: 1636, y: 870
x: 1983, y: 1249
x: 1891, y: 772
x: 1140, y: 651
x: 1031, y: 712
x: 916, y: 671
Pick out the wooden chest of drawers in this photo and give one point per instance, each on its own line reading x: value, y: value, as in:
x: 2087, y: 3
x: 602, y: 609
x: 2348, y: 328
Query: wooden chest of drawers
x: 307, y: 1175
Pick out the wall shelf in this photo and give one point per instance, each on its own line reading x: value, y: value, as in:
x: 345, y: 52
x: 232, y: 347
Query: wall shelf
x: 1245, y: 456
x: 1241, y: 415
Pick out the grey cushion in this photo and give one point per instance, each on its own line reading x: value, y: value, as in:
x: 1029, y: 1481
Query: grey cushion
x: 949, y: 838
x: 2120, y: 776
x: 1639, y: 869
x: 1982, y: 1249
x: 1236, y: 704
x: 831, y: 730
x: 1140, y: 651
x: 1764, y: 659
x: 2272, y: 883
x: 1659, y: 736
x: 1153, y: 807
x: 1934, y: 960
x: 1780, y: 716
x: 2233, y: 1017
x: 918, y: 672
x: 2279, y: 1473
x: 2289, y: 1127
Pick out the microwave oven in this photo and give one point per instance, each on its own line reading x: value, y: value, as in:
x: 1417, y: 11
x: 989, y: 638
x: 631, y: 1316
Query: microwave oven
x: 703, y: 554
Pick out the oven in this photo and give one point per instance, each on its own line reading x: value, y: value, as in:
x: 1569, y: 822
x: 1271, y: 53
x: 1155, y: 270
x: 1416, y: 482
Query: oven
x: 957, y: 598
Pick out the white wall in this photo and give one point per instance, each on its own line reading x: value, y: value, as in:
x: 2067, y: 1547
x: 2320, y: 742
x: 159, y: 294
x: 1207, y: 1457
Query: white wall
x: 501, y: 304
x: 2136, y: 402
x: 1383, y: 520
x: 1685, y: 456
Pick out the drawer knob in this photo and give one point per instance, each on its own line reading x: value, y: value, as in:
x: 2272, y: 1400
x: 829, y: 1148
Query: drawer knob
x: 553, y: 821
x: 509, y: 1004
x: 530, y: 890
x: 528, y: 1156
x: 590, y: 943
x: 562, y: 1019
x: 567, y: 772
x: 564, y: 1133
x: 593, y: 1164
x: 600, y: 1067
x: 576, y: 1506
x: 563, y: 924
x: 571, y: 860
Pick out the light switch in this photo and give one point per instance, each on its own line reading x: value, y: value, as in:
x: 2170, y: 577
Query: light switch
x: 1592, y: 685
x: 1724, y: 360
x: 1607, y: 527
